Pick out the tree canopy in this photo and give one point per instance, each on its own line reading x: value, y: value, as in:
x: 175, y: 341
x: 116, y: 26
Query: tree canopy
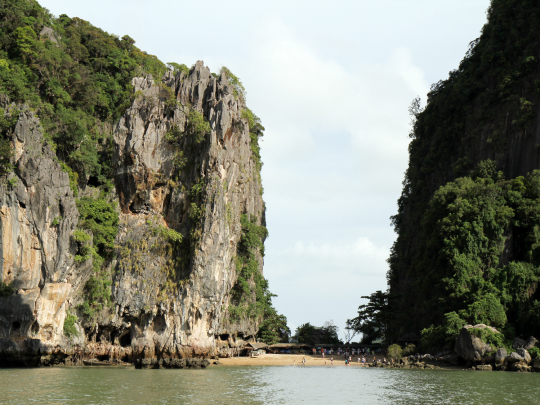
x: 76, y: 76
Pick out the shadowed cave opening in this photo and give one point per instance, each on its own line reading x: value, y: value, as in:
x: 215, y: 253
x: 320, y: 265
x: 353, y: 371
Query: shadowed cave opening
x: 125, y: 340
x: 93, y: 181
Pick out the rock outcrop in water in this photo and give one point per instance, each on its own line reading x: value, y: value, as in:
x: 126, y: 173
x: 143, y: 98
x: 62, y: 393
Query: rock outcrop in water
x: 183, y: 321
x: 181, y: 193
x: 470, y: 347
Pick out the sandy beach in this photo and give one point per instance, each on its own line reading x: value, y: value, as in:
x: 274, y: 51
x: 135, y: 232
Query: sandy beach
x: 289, y: 360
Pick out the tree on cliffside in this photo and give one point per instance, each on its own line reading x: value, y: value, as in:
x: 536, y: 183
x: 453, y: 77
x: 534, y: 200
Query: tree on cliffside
x: 373, y: 318
x: 273, y: 328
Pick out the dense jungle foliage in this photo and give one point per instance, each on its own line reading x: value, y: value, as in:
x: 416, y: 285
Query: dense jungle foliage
x: 481, y: 262
x: 76, y: 76
x: 98, y: 217
x: 467, y: 218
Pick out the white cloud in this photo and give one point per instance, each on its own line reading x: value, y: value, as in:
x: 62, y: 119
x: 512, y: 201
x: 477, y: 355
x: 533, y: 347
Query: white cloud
x: 360, y: 249
x: 327, y: 278
x: 336, y: 138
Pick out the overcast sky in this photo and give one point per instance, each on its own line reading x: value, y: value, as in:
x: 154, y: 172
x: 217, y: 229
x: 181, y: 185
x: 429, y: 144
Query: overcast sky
x: 331, y: 82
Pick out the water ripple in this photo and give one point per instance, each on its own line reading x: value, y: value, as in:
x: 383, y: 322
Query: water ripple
x: 265, y: 385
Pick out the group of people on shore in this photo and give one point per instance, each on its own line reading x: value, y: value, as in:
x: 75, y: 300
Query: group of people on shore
x: 347, y: 352
x: 361, y: 360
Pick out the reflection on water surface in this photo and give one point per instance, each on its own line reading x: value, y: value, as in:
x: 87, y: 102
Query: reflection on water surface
x: 265, y: 385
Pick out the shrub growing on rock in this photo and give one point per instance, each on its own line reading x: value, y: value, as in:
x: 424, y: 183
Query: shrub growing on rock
x: 488, y: 310
x: 6, y: 289
x: 409, y: 349
x: 534, y: 352
x: 100, y: 217
x: 394, y: 351
x: 69, y: 325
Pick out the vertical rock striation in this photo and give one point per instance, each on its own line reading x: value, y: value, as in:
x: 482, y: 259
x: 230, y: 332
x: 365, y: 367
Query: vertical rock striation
x: 177, y: 307
x: 181, y: 191
x: 37, y: 217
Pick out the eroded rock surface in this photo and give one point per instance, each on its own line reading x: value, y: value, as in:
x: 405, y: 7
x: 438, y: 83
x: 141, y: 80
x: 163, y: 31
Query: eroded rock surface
x: 37, y: 218
x: 182, y: 320
x: 500, y: 357
x: 470, y: 347
x: 170, y: 298
x: 525, y: 344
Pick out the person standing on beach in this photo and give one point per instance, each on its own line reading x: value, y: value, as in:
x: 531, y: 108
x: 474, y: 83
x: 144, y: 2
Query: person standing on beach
x: 303, y: 361
x: 331, y: 361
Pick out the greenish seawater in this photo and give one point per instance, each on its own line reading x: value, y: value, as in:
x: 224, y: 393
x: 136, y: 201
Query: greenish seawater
x: 265, y: 385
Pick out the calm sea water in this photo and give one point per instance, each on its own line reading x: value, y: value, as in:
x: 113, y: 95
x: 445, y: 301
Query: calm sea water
x: 265, y: 385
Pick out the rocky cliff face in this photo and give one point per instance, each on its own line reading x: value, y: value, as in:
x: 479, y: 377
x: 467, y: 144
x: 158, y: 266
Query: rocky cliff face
x: 484, y: 112
x: 37, y: 217
x: 181, y: 191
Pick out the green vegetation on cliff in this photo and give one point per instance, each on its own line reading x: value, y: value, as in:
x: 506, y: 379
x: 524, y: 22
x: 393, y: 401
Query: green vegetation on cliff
x: 76, y: 76
x: 467, y: 221
x: 77, y: 79
x: 481, y: 262
x: 69, y: 325
x: 7, y: 122
x: 99, y: 219
x: 250, y: 283
x: 6, y: 289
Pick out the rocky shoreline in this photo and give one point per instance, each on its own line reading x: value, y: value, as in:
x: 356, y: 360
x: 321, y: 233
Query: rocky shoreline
x: 34, y: 353
x: 471, y: 352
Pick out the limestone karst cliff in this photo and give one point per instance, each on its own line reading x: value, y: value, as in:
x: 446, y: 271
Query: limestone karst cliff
x: 180, y: 304
x: 467, y: 217
x: 132, y: 221
x: 37, y: 255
